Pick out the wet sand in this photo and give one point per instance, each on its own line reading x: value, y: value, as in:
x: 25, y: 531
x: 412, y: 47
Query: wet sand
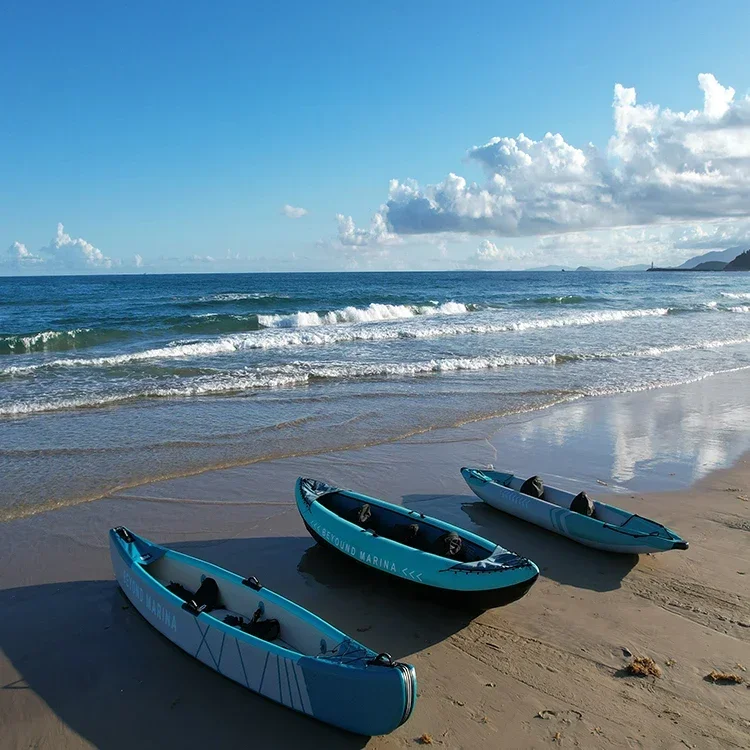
x: 80, y: 668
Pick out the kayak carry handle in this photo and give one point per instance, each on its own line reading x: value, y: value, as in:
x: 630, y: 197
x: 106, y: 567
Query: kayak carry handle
x: 383, y: 660
x: 124, y: 534
x: 253, y: 583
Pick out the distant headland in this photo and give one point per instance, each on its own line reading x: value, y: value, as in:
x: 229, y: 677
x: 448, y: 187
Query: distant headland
x: 740, y: 262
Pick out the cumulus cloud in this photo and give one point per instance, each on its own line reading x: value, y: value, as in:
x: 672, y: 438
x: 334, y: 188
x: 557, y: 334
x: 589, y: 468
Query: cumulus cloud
x: 660, y: 166
x: 74, y: 252
x: 138, y: 260
x: 19, y: 255
x: 378, y: 233
x: 63, y: 253
x: 293, y: 212
x: 490, y: 255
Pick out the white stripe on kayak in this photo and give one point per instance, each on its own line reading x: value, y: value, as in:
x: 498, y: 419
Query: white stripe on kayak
x: 307, y: 708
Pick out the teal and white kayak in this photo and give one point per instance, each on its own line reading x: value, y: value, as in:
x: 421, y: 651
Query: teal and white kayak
x: 610, y: 528
x: 480, y: 575
x: 309, y: 666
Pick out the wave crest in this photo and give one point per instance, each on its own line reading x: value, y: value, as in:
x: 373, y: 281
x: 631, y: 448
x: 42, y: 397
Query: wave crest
x: 374, y: 312
x: 56, y: 341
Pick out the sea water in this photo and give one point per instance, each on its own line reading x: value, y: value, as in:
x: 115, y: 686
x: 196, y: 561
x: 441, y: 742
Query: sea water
x: 108, y: 381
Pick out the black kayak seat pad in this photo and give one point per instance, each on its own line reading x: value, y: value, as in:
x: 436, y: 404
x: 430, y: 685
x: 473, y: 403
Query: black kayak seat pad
x: 393, y: 525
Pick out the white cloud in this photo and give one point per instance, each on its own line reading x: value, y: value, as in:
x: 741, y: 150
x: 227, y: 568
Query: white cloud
x: 293, y: 212
x: 19, y: 255
x: 74, y: 253
x: 377, y: 234
x: 490, y: 255
x: 63, y: 253
x: 660, y: 166
x: 138, y: 260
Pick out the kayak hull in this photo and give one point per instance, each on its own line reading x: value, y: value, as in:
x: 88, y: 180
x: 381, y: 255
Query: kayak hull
x: 468, y: 600
x: 499, y: 578
x: 359, y: 693
x: 611, y: 529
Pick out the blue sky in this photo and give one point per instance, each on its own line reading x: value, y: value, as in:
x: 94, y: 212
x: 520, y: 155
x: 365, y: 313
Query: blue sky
x: 179, y: 132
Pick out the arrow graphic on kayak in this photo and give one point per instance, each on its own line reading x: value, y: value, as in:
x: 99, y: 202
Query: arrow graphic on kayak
x: 412, y: 574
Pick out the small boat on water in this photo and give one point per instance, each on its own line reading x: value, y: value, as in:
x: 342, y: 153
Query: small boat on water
x: 458, y: 566
x: 608, y: 528
x: 261, y: 640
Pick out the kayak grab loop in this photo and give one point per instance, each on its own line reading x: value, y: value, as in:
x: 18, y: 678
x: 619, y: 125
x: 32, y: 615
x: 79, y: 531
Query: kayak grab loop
x: 124, y: 534
x: 253, y: 583
x: 384, y: 660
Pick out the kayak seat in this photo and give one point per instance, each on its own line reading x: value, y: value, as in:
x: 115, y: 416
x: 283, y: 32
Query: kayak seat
x: 395, y: 526
x: 583, y: 504
x: 409, y: 534
x: 207, y: 595
x: 533, y: 487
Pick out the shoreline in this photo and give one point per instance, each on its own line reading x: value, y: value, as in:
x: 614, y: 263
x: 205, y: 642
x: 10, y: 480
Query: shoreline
x: 720, y: 382
x: 548, y: 668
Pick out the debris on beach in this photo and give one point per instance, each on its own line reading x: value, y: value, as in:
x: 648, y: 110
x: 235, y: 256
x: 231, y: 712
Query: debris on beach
x: 547, y: 713
x: 670, y: 662
x: 425, y: 739
x: 724, y: 678
x: 627, y: 652
x: 602, y: 483
x: 643, y: 666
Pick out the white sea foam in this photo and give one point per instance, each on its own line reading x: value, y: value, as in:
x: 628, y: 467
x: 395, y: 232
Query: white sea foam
x: 327, y: 335
x: 374, y: 312
x: 740, y: 309
x: 736, y: 295
x: 284, y: 376
x: 302, y: 372
x: 237, y: 296
x: 37, y: 341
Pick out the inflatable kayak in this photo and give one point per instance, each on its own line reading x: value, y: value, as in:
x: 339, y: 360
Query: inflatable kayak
x: 257, y: 638
x: 608, y: 528
x: 435, y: 556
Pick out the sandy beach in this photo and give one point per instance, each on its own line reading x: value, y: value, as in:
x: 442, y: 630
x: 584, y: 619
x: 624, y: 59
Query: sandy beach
x: 80, y: 668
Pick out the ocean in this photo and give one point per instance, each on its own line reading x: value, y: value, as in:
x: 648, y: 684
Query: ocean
x: 110, y: 381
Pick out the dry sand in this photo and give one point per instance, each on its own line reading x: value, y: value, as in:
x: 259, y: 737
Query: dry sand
x: 79, y: 668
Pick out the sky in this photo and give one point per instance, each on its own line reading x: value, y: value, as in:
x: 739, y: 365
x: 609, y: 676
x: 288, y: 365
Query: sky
x: 177, y: 137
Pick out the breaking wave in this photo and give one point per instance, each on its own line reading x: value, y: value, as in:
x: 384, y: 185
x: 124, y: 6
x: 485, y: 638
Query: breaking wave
x: 374, y: 312
x: 56, y: 341
x: 327, y: 335
x: 210, y: 383
x: 736, y: 295
x: 292, y: 374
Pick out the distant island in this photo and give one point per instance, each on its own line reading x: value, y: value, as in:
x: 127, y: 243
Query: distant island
x: 740, y: 262
x: 731, y: 259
